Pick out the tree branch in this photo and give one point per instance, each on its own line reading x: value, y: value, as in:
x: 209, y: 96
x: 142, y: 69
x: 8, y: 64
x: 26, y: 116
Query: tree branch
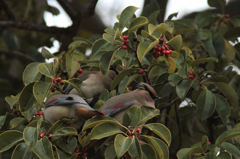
x: 68, y: 9
x: 92, y: 7
x: 35, y: 27
x: 17, y: 54
x: 8, y: 10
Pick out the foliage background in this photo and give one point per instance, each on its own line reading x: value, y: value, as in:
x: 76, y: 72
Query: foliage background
x: 206, y: 50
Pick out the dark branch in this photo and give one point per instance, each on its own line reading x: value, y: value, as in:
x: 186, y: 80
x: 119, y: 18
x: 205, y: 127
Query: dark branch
x: 68, y: 9
x: 17, y: 54
x: 35, y: 27
x: 92, y: 7
x: 8, y: 10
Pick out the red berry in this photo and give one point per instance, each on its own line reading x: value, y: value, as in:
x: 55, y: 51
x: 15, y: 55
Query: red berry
x: 42, y: 134
x: 126, y: 41
x: 58, y: 79
x: 140, y: 142
x: 138, y: 130
x: 124, y: 47
x: 227, y: 16
x: 40, y: 113
x: 130, y: 136
x: 209, y: 143
x: 79, y: 70
x: 191, y: 75
x: 54, y: 80
x: 62, y: 82
x: 156, y: 54
x: 77, y: 150
x: 159, y: 49
x: 156, y: 47
x: 166, y: 46
x: 167, y: 55
x: 170, y: 51
x: 161, y: 40
x: 125, y: 37
x: 52, y: 89
x: 163, y: 48
x: 36, y: 114
x: 85, y: 154
x: 49, y: 135
x: 164, y: 52
x: 140, y: 71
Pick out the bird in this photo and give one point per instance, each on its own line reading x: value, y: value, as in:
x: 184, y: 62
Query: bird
x: 93, y: 83
x: 116, y: 106
x: 69, y: 106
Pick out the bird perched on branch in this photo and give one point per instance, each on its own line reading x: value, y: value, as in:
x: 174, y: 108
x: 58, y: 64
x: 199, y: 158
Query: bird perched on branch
x: 116, y: 106
x: 68, y: 106
x: 93, y: 83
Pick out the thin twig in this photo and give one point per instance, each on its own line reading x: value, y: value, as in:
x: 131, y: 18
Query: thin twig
x: 92, y: 7
x: 17, y: 54
x: 35, y: 27
x: 67, y: 8
x: 8, y: 10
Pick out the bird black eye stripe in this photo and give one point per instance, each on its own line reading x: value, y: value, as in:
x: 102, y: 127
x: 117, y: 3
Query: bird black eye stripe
x: 69, y: 98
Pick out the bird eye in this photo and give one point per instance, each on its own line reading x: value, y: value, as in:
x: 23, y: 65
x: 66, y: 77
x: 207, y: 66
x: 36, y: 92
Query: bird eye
x: 69, y: 98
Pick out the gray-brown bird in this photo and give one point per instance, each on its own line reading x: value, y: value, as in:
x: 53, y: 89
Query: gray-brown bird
x: 116, y: 106
x: 93, y: 83
x: 68, y: 106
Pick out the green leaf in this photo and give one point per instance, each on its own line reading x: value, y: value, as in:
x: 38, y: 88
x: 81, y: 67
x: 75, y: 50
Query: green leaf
x: 9, y: 138
x: 78, y: 43
x: 15, y: 122
x: 137, y: 23
x: 46, y: 54
x: 12, y: 100
x: 183, y: 87
x: 120, y: 76
x: 122, y: 144
x: 176, y: 42
x: 2, y: 120
x: 184, y: 153
x: 227, y: 135
x: 65, y: 131
x: 110, y: 153
x: 43, y: 149
x: 107, y: 60
x: 41, y: 90
x: 31, y: 73
x: 229, y: 93
x: 231, y: 148
x: 206, y: 104
x: 159, y: 146
x: 144, y: 47
x: 161, y: 130
x: 26, y: 98
x: 204, y: 143
x: 172, y: 65
x: 222, y: 108
x: 229, y: 51
x: 219, y: 4
x: 172, y: 16
x: 71, y: 65
x: 30, y: 136
x: 126, y: 16
x: 21, y: 151
x: 135, y: 149
x: 104, y: 130
x: 148, y: 152
x: 204, y: 60
x: 76, y: 83
x: 46, y: 69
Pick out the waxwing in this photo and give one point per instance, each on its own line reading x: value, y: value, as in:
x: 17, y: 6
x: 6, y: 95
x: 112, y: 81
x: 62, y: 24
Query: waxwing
x: 116, y: 106
x: 93, y: 83
x: 68, y: 106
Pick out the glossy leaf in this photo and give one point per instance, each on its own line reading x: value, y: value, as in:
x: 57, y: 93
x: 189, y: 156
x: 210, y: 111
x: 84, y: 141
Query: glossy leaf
x: 2, y: 120
x: 46, y: 69
x: 41, y: 90
x: 15, y: 122
x: 9, y: 138
x: 227, y: 135
x: 46, y: 54
x: 31, y: 73
x: 172, y: 65
x: 162, y: 131
x: 65, y: 131
x: 71, y: 65
x: 144, y: 48
x: 122, y: 144
x: 148, y: 152
x: 26, y: 98
x: 30, y: 136
x: 21, y: 151
x: 110, y: 152
x: 183, y: 87
x: 206, y: 104
x: 232, y: 149
x: 176, y: 42
x: 126, y: 16
x: 43, y: 149
x: 12, y: 100
x: 137, y: 23
x: 99, y: 131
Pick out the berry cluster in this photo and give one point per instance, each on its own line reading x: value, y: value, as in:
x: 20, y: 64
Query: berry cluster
x: 78, y: 151
x: 161, y: 49
x: 55, y: 82
x: 38, y: 114
x: 126, y: 41
x: 42, y: 134
x: 191, y: 75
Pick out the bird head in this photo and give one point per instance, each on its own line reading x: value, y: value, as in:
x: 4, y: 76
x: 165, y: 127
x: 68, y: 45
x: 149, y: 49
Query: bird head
x: 148, y: 88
